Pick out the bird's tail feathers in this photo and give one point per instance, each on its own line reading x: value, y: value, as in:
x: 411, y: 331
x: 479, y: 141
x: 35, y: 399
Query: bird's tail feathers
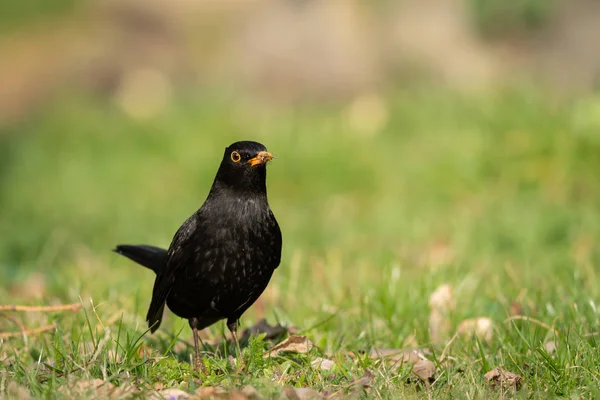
x: 154, y: 318
x: 150, y: 257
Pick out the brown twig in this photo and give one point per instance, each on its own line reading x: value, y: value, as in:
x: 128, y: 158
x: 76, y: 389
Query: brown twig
x: 27, y: 332
x: 14, y: 321
x: 62, y: 307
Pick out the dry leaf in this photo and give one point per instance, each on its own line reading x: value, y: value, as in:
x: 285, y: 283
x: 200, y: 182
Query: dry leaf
x: 171, y: 394
x: 322, y: 363
x: 425, y: 370
x: 441, y: 303
x: 302, y: 394
x: 251, y: 392
x: 394, y: 356
x: 505, y: 379
x: 92, y: 384
x: 144, y: 352
x: 296, y: 344
x: 366, y: 380
x: 211, y: 392
x: 237, y: 395
x: 340, y: 395
x: 101, y: 389
x: 482, y: 327
x: 215, y: 392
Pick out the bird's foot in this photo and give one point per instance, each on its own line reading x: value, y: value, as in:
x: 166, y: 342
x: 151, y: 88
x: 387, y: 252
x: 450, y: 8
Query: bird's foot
x: 199, y: 365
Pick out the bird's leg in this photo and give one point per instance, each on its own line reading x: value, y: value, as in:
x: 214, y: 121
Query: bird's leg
x: 197, y: 347
x: 196, y: 333
x: 232, y: 324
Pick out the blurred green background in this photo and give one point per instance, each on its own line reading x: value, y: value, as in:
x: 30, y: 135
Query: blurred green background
x: 453, y: 141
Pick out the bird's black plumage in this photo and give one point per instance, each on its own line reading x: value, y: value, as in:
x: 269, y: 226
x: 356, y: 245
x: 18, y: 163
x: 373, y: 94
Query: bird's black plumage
x: 222, y: 258
x: 150, y: 257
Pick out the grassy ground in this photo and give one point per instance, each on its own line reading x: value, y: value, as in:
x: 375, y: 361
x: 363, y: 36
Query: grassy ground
x: 497, y: 196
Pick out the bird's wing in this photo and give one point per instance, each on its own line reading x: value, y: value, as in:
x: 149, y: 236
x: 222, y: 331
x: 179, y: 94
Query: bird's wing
x: 276, y: 240
x: 177, y: 256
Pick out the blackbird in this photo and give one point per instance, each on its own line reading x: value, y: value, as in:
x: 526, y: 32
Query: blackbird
x: 223, y: 256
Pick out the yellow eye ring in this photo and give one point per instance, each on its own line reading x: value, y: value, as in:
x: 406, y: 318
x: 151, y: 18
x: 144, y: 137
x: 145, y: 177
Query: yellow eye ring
x: 235, y: 156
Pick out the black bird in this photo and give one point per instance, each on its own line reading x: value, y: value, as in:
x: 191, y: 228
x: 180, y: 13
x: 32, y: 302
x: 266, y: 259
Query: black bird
x: 223, y: 256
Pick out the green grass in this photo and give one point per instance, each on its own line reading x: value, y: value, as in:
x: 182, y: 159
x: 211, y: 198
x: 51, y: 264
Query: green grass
x: 497, y: 195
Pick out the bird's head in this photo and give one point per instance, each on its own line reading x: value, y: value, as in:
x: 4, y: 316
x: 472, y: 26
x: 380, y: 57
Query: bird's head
x: 243, y: 168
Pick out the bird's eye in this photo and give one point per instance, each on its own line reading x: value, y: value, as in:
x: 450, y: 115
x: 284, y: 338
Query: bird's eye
x: 235, y: 156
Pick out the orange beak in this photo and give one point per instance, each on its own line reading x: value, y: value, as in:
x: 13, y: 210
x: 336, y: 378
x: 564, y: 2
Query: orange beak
x: 261, y: 158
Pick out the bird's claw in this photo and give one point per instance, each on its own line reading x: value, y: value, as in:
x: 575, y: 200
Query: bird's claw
x: 199, y: 365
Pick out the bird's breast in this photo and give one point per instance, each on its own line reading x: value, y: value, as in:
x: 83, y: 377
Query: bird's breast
x: 243, y: 241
